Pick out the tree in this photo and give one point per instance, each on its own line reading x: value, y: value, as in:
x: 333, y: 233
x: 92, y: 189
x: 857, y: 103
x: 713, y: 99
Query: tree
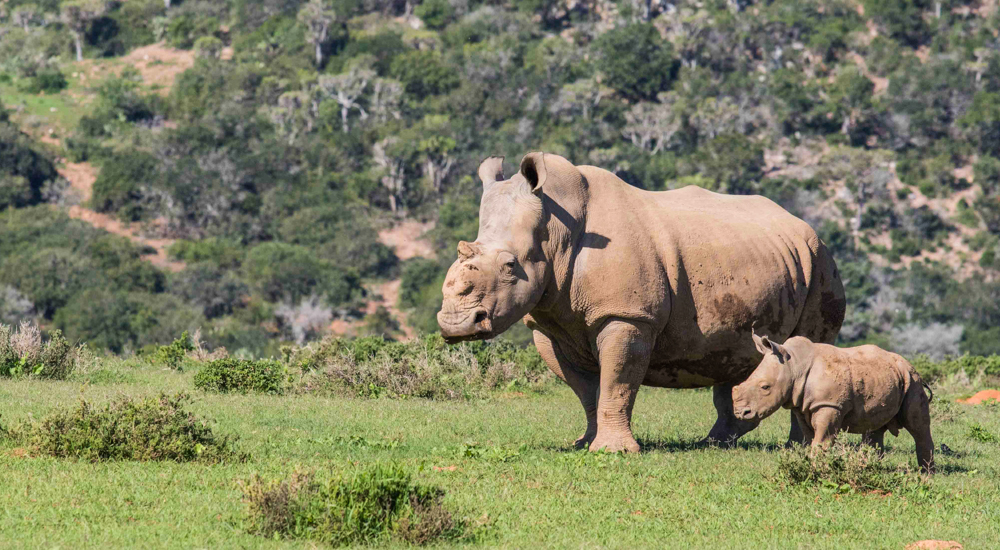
x: 26, y: 14
x: 347, y: 89
x: 636, y: 61
x: 317, y: 16
x: 650, y: 126
x: 393, y: 166
x: 77, y: 14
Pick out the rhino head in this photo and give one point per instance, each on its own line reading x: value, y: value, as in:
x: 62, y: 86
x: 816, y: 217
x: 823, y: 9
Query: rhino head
x: 499, y: 278
x: 769, y: 386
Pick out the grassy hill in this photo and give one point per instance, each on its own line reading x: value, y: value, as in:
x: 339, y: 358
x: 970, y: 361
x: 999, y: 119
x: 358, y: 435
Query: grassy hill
x: 254, y: 152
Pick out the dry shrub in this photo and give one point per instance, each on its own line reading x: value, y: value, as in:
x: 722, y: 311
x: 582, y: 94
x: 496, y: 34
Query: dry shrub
x: 373, y: 367
x: 845, y: 468
x: 22, y: 353
x: 377, y: 503
x: 153, y: 428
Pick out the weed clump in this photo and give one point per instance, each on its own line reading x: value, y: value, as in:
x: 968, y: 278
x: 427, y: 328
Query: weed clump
x: 153, y: 428
x: 241, y: 376
x: 373, y: 367
x: 844, y: 468
x: 378, y: 503
x: 22, y: 353
x: 174, y: 354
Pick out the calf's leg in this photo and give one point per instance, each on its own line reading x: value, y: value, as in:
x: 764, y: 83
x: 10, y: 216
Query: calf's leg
x: 624, y: 348
x: 876, y: 439
x: 826, y: 424
x: 585, y: 385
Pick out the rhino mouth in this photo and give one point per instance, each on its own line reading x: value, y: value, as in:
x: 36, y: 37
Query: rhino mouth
x: 462, y: 327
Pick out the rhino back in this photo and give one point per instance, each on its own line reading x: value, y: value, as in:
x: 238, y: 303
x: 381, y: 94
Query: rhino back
x: 703, y: 267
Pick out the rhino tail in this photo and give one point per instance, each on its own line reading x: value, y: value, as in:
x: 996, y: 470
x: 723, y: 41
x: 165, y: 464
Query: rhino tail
x: 924, y: 384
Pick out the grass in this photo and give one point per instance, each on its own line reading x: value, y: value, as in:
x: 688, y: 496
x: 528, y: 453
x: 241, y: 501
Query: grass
x: 504, y: 464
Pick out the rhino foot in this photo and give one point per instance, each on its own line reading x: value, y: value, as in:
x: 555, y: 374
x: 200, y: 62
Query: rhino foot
x: 584, y: 441
x: 614, y: 443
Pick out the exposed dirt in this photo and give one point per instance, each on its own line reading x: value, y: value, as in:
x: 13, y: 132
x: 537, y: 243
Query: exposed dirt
x: 934, y: 545
x: 160, y: 64
x: 406, y: 239
x: 985, y: 395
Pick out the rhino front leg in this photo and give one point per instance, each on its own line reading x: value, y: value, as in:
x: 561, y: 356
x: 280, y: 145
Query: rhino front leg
x: 826, y: 425
x: 584, y: 384
x: 623, y: 349
x: 727, y: 428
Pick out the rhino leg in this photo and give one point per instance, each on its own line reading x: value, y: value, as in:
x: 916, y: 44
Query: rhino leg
x: 623, y: 349
x: 727, y: 428
x: 875, y: 438
x: 796, y: 432
x: 584, y: 384
x: 826, y: 425
x: 917, y: 420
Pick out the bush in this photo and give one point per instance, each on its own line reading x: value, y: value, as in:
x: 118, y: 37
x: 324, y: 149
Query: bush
x: 378, y: 503
x: 174, y: 354
x: 153, y: 428
x: 969, y: 365
x: 241, y: 376
x: 49, y: 80
x: 22, y: 353
x: 373, y: 367
x: 636, y: 61
x: 119, y: 185
x: 844, y: 468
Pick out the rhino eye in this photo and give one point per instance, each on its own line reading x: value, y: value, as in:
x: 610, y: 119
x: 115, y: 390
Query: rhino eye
x: 765, y: 386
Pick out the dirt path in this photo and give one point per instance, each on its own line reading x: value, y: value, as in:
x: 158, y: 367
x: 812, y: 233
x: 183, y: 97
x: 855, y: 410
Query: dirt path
x: 406, y: 240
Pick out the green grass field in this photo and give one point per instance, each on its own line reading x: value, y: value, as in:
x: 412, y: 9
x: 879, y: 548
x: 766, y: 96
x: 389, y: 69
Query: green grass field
x: 505, y: 463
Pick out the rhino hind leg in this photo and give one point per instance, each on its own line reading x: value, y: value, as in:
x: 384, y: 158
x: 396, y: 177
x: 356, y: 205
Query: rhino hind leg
x: 727, y: 428
x: 875, y: 438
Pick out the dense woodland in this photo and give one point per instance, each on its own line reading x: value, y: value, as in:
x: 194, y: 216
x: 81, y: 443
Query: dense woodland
x: 305, y: 127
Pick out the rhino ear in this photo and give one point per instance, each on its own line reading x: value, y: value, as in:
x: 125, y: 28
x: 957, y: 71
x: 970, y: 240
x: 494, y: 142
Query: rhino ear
x: 533, y: 170
x: 467, y: 250
x: 763, y: 345
x: 491, y: 171
x: 780, y: 351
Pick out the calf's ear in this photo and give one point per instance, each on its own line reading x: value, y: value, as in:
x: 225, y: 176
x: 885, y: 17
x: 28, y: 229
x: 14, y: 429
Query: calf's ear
x: 780, y: 351
x: 533, y: 170
x: 759, y: 342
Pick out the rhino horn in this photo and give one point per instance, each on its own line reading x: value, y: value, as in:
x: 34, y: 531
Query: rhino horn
x: 491, y: 171
x: 533, y: 170
x: 467, y: 250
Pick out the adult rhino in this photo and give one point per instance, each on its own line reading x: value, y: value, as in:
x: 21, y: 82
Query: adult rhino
x: 624, y: 287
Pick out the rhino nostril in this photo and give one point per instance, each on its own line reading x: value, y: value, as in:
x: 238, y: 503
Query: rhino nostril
x: 746, y: 413
x: 480, y: 317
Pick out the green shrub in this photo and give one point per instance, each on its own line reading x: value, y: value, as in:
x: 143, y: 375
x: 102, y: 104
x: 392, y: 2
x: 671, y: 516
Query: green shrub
x: 49, y: 80
x: 152, y: 428
x: 844, y: 468
x: 241, y: 376
x: 636, y: 61
x: 22, y: 353
x: 174, y: 354
x: 970, y: 365
x: 373, y: 367
x: 375, y: 504
x: 982, y: 435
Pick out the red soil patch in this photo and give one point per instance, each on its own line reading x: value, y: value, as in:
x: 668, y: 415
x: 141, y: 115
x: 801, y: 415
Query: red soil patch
x: 159, y: 64
x: 405, y: 238
x: 984, y: 395
x: 934, y: 545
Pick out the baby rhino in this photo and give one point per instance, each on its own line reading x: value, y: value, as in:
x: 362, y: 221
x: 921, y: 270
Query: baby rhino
x: 864, y: 390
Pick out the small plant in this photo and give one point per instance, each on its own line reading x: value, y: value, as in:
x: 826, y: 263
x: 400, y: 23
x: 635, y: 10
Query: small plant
x: 844, y: 468
x: 241, y: 375
x: 22, y: 353
x: 153, y: 428
x: 981, y: 434
x: 175, y: 354
x: 377, y: 503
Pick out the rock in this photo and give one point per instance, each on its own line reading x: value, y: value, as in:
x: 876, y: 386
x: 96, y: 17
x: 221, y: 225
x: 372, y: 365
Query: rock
x: 984, y: 395
x: 934, y: 545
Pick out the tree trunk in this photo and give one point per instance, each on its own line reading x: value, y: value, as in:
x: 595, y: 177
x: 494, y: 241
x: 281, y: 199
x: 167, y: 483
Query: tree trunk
x: 319, y: 54
x: 166, y: 4
x: 392, y: 201
x: 343, y: 118
x: 78, y: 41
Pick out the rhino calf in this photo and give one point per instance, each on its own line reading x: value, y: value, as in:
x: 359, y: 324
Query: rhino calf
x: 864, y: 390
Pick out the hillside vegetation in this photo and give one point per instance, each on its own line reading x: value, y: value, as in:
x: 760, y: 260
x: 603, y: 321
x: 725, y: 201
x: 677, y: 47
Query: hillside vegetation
x: 271, y: 141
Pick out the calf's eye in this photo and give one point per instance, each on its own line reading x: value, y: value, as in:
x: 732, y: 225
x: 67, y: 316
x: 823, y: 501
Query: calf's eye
x: 765, y: 386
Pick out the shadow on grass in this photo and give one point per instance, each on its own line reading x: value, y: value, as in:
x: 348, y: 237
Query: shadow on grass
x: 672, y: 445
